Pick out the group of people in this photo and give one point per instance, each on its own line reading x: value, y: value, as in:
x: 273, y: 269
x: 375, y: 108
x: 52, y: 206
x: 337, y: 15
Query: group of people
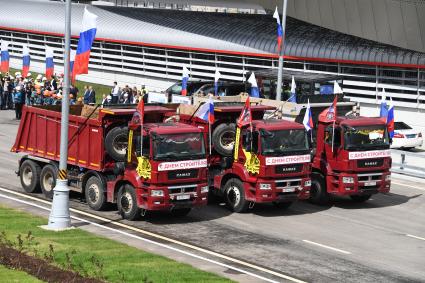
x: 125, y: 95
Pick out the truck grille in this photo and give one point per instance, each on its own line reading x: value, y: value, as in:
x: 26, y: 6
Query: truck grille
x: 175, y: 190
x: 183, y: 174
x: 365, y: 163
x: 369, y: 177
x: 283, y: 169
x: 288, y: 183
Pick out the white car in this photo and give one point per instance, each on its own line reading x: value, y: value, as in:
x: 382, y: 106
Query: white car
x: 405, y: 136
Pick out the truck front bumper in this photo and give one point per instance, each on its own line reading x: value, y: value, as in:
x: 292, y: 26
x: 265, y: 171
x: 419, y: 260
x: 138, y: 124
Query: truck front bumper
x: 172, y: 197
x: 344, y: 184
x: 282, y: 190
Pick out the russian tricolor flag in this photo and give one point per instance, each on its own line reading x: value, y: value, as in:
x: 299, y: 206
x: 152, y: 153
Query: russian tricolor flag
x: 255, y: 92
x: 308, y: 118
x: 50, y: 65
x: 390, y: 119
x: 383, y: 111
x: 279, y: 30
x: 216, y: 78
x: 185, y: 79
x: 206, y: 111
x: 26, y: 59
x: 87, y: 36
x: 4, y: 56
x: 293, y: 97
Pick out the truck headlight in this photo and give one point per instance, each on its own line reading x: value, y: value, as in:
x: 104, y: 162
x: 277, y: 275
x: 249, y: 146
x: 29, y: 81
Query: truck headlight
x: 348, y: 180
x: 157, y: 193
x: 388, y: 178
x: 265, y: 186
x: 204, y: 189
x: 307, y: 183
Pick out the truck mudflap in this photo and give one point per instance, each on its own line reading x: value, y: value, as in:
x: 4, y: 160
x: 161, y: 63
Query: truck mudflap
x: 281, y: 190
x: 359, y: 184
x: 172, y: 197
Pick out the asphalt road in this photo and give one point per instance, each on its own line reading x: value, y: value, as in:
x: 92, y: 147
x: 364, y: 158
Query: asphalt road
x: 382, y: 240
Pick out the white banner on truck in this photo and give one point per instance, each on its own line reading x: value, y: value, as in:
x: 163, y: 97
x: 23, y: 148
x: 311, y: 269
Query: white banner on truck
x: 181, y: 99
x: 157, y: 97
x: 369, y: 154
x: 180, y: 165
x: 293, y: 159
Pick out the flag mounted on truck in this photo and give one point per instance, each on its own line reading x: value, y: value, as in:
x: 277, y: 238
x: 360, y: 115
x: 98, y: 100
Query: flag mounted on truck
x: 246, y: 115
x: 329, y: 115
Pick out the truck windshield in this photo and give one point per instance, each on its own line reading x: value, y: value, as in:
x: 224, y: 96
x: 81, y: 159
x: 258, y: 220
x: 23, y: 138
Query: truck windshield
x: 366, y: 137
x: 284, y: 142
x: 178, y: 146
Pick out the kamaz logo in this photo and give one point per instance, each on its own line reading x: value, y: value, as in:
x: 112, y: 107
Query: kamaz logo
x: 371, y: 163
x: 181, y: 175
x: 289, y: 169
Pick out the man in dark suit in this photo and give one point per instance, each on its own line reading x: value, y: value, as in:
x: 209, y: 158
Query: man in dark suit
x: 92, y: 95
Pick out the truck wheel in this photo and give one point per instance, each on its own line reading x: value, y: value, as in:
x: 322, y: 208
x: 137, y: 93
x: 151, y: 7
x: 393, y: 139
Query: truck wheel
x: 48, y: 180
x: 127, y: 203
x: 181, y: 212
x: 318, y: 193
x: 283, y: 205
x: 360, y: 198
x: 29, y: 173
x: 116, y: 143
x: 223, y: 139
x: 235, y: 195
x: 95, y: 194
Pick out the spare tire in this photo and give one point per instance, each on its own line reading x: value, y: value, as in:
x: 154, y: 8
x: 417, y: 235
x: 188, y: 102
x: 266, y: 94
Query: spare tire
x: 223, y: 138
x: 116, y: 143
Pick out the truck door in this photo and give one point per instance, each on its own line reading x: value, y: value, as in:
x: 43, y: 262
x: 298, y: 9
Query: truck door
x: 333, y: 152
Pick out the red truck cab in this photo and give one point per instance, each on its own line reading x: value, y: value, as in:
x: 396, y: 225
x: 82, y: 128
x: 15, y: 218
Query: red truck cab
x: 357, y: 165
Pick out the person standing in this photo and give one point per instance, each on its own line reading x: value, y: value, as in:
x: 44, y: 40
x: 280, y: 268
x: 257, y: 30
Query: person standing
x: 92, y: 95
x: 18, y: 99
x: 145, y: 94
x: 86, y: 95
x: 115, y: 93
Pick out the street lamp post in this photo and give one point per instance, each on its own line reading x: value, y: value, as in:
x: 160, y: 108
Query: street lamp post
x: 59, y: 217
x: 280, y: 70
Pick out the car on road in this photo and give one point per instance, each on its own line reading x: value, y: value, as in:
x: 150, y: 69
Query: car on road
x: 406, y: 137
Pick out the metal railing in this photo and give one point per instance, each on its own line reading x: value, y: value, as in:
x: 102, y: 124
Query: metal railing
x: 403, y: 167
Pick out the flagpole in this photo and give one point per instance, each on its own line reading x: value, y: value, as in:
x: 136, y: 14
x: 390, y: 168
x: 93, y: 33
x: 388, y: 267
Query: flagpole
x: 280, y: 70
x: 209, y: 135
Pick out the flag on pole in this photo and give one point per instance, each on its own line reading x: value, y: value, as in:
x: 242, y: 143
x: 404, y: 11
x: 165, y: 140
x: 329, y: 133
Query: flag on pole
x: 383, y: 112
x: 4, y: 56
x: 26, y: 60
x: 329, y: 114
x: 337, y: 88
x: 279, y: 30
x: 216, y: 78
x: 50, y: 66
x: 308, y: 117
x: 293, y: 97
x: 246, y: 115
x: 185, y: 79
x: 390, y: 119
x: 87, y: 36
x: 206, y: 111
x: 255, y: 92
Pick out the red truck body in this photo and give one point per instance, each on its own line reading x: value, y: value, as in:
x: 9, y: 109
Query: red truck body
x: 280, y: 179
x: 93, y: 171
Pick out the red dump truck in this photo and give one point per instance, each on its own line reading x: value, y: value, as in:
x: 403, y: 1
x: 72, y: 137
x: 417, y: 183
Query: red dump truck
x: 170, y: 173
x: 281, y: 171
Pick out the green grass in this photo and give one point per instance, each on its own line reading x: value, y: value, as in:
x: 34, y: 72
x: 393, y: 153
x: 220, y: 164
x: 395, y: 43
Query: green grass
x: 10, y: 275
x: 116, y: 257
x: 99, y: 89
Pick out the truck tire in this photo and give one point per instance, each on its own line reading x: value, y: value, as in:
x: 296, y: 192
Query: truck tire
x: 283, y: 205
x: 29, y: 174
x: 180, y: 212
x: 318, y: 193
x: 127, y: 203
x: 94, y: 191
x: 360, y: 198
x: 223, y: 138
x: 235, y: 196
x: 48, y: 178
x: 116, y: 143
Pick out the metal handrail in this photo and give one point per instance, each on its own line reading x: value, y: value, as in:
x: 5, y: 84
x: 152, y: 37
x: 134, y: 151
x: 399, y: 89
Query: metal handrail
x: 404, y: 168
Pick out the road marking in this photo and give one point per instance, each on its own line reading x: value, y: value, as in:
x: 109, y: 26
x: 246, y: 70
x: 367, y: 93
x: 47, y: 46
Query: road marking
x: 327, y: 247
x: 409, y: 186
x: 416, y: 237
x: 111, y: 222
